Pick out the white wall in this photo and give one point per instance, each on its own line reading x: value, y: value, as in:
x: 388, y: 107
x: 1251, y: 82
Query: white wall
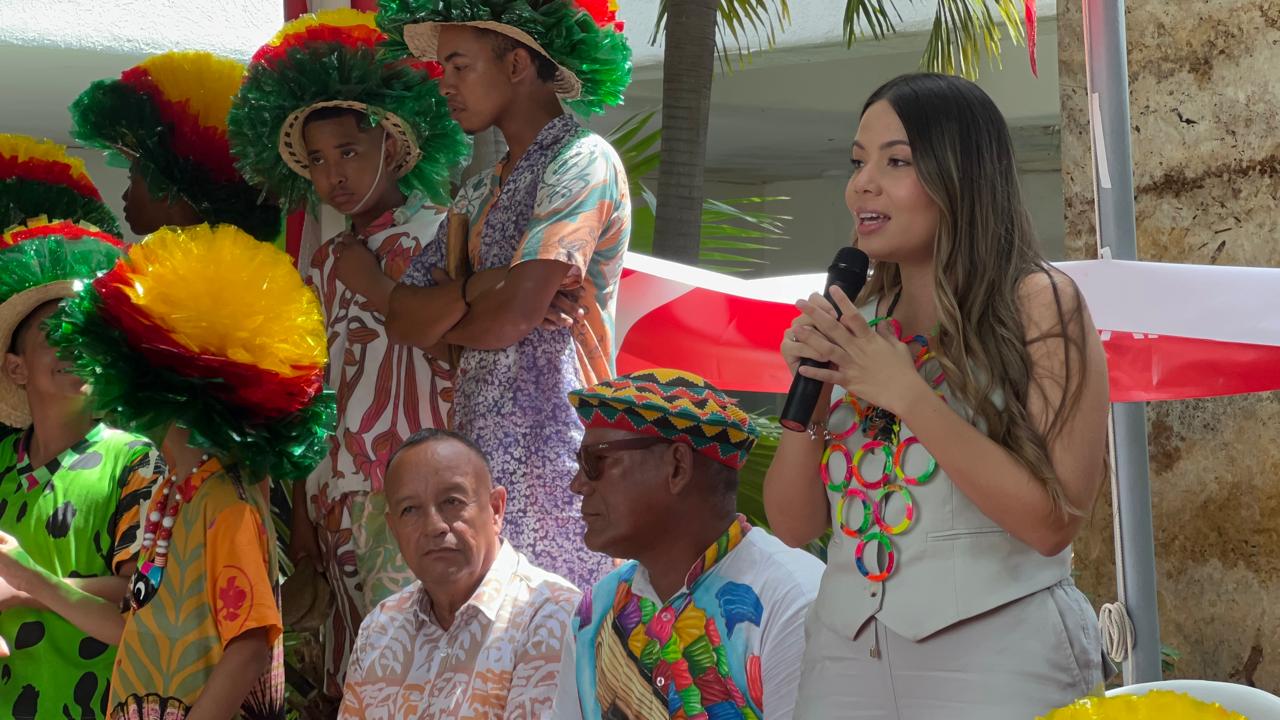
x: 237, y: 27
x: 231, y: 27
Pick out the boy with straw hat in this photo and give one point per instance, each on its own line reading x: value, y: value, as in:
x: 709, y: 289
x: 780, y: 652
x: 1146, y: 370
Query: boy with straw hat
x: 321, y: 118
x: 70, y: 487
x: 553, y: 216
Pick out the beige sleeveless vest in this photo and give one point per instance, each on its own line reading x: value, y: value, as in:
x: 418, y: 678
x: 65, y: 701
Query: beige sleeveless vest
x: 950, y: 564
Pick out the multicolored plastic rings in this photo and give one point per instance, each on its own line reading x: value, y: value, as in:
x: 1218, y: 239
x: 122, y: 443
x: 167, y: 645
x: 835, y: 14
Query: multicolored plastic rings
x: 826, y: 471
x: 856, y: 468
x: 874, y: 537
x: 869, y: 514
x: 900, y: 457
x: 882, y: 502
x: 853, y: 424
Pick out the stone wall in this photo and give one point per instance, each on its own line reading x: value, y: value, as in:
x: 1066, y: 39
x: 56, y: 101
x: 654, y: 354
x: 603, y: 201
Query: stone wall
x: 1204, y: 82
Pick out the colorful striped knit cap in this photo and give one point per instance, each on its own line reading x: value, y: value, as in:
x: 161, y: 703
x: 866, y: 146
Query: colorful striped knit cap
x: 671, y: 404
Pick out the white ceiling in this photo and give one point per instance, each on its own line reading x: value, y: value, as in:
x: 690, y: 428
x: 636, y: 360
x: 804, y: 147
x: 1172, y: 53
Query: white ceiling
x: 229, y: 27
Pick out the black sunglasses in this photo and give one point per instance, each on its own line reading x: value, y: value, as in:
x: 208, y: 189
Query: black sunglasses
x: 589, y: 456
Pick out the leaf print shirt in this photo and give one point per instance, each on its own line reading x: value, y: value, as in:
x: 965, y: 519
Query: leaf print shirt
x: 219, y: 582
x: 499, y: 659
x: 386, y: 392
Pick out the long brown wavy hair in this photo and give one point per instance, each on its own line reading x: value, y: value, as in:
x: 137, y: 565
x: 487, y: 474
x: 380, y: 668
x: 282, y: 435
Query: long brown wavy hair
x: 984, y: 247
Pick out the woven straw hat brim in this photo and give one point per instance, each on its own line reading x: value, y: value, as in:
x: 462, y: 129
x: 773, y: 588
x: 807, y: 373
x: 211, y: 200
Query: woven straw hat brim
x: 423, y: 40
x: 293, y: 150
x: 14, y: 410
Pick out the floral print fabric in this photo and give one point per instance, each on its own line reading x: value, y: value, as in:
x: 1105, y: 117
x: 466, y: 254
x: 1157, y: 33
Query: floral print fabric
x: 499, y: 659
x: 566, y: 199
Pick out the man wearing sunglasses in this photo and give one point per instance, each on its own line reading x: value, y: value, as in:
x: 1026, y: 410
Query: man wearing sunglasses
x: 707, y: 618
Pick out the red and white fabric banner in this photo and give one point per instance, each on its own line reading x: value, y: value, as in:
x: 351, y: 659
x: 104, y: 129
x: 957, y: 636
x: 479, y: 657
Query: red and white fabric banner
x: 1171, y: 332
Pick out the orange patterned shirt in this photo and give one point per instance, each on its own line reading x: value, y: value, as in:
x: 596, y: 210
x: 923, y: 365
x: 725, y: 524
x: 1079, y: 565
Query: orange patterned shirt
x: 218, y: 583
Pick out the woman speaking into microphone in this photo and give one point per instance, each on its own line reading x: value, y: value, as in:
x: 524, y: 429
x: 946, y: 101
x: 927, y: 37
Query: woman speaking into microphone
x: 959, y: 440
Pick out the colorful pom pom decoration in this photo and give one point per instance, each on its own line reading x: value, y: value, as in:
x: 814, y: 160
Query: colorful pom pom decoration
x: 206, y: 327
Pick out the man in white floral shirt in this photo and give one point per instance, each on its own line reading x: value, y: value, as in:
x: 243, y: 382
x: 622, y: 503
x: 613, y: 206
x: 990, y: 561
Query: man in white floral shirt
x: 480, y: 634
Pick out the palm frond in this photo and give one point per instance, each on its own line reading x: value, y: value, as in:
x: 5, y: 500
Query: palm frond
x: 744, y: 26
x: 863, y: 17
x: 966, y: 30
x: 751, y: 479
x: 727, y: 226
x: 963, y: 31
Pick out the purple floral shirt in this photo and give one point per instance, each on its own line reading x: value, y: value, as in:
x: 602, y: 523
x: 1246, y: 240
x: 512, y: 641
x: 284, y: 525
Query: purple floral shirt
x: 514, y: 402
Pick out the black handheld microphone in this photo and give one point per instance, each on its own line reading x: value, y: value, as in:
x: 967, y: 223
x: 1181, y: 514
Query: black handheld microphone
x: 848, y: 271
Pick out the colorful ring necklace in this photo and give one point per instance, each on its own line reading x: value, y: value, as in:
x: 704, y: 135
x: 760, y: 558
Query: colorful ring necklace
x: 157, y: 533
x: 882, y: 430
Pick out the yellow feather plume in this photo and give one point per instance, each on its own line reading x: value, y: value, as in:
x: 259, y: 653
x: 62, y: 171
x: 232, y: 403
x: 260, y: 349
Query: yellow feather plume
x: 1155, y: 705
x: 338, y: 17
x: 206, y: 82
x: 220, y: 292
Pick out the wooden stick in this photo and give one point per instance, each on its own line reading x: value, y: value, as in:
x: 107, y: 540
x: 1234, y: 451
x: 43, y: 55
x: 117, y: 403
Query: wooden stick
x: 458, y: 262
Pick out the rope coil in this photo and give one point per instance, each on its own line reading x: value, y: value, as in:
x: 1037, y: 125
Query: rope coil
x: 1117, y: 631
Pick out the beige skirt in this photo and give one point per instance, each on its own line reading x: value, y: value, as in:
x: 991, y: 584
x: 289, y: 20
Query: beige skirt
x: 1016, y: 662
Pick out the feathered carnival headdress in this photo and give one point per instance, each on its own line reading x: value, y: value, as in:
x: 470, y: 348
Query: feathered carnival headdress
x: 169, y: 115
x: 208, y: 328
x: 1154, y: 705
x: 39, y: 179
x: 582, y: 37
x: 331, y: 59
x: 40, y: 263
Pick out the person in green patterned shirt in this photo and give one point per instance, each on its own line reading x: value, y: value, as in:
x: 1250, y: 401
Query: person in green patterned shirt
x: 70, y: 488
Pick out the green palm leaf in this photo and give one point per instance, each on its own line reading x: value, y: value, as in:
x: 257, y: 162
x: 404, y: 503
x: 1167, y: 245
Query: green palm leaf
x: 731, y: 225
x: 745, y: 25
x: 963, y: 31
x: 751, y: 479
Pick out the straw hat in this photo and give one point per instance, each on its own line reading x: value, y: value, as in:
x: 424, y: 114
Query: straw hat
x: 40, y: 262
x: 306, y: 598
x: 14, y: 410
x: 583, y: 38
x: 294, y: 151
x: 333, y: 59
x: 423, y: 40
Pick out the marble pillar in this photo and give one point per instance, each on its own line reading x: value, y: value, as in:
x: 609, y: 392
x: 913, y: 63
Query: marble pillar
x: 1204, y: 81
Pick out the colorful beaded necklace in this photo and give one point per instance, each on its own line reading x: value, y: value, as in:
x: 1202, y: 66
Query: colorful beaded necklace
x: 678, y: 644
x: 162, y: 513
x: 883, y: 432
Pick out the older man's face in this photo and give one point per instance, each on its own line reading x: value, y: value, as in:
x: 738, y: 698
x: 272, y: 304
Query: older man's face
x: 445, y: 513
x: 629, y: 499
